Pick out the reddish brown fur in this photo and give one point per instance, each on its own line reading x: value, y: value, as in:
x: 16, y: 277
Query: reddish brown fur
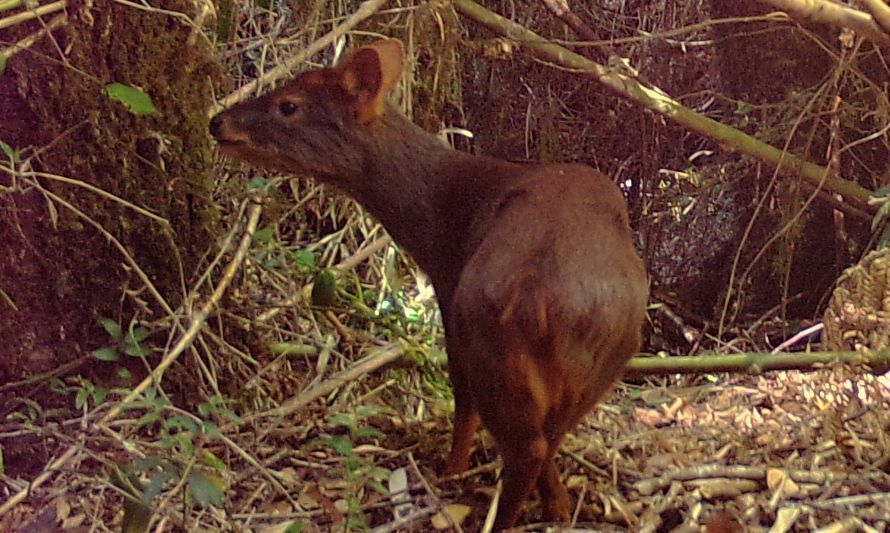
x: 541, y: 291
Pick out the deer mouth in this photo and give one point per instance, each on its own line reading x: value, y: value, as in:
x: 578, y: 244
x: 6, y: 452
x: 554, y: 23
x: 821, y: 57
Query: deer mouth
x: 225, y: 132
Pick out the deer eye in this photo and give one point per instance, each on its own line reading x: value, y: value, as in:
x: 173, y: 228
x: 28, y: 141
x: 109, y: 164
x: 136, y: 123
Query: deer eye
x: 287, y: 108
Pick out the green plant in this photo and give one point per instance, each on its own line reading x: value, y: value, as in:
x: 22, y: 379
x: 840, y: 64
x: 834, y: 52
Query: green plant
x: 179, y: 432
x: 89, y: 391
x: 179, y: 429
x: 29, y: 413
x: 303, y: 261
x: 358, y: 471
x: 128, y: 343
x: 11, y: 154
x: 143, y: 480
x: 216, y: 406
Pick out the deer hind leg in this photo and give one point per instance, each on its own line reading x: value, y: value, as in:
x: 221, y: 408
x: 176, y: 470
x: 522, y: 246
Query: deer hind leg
x: 524, y: 457
x: 515, y: 411
x: 554, y: 498
x: 466, y: 423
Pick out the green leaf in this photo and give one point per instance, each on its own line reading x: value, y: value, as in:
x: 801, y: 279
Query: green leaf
x: 341, y: 445
x: 185, y: 444
x: 148, y: 418
x: 2, y: 63
x: 230, y: 415
x: 99, y: 394
x: 112, y: 328
x: 368, y: 433
x: 206, y: 489
x: 81, y: 398
x: 881, y: 215
x: 181, y: 422
x: 138, y: 102
x: 364, y: 411
x: 106, y: 354
x: 158, y: 402
x: 379, y: 473
x: 305, y: 259
x: 211, y: 429
x: 885, y: 238
x: 205, y: 408
x: 214, y: 462
x: 123, y: 373
x: 155, y: 484
x: 882, y: 191
x: 264, y: 235
x: 353, y: 465
x: 11, y: 154
x: 342, y: 419
x: 295, y: 527
x: 139, y: 334
x: 257, y: 183
x: 134, y: 349
x: 376, y: 485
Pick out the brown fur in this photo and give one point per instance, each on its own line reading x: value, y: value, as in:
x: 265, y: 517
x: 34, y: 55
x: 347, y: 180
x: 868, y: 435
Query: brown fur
x: 541, y: 291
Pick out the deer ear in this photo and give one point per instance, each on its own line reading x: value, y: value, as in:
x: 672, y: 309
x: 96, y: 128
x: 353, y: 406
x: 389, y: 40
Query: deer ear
x: 370, y: 73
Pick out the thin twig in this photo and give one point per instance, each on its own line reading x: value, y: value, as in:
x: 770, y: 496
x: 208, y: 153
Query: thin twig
x: 431, y: 492
x: 799, y: 335
x: 283, y: 70
x: 131, y: 262
x: 32, y: 14
x: 99, y: 191
x: 29, y: 41
x: 379, y: 358
x: 198, y: 318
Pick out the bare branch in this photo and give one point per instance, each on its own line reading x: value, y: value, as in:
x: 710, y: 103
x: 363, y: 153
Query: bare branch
x: 824, y: 12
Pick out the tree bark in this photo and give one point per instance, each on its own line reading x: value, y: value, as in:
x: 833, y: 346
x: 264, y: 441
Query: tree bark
x: 106, y: 212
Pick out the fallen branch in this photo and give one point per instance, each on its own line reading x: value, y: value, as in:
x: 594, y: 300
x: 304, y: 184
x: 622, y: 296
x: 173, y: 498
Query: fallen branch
x: 752, y: 362
x: 372, y: 362
x: 649, y: 486
x: 823, y: 12
x: 881, y: 13
x: 618, y: 80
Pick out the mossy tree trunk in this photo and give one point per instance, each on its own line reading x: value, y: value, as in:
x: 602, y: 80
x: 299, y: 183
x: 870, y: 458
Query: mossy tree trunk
x: 72, y: 247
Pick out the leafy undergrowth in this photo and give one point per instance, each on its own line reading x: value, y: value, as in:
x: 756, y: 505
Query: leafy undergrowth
x: 785, y: 449
x: 335, y: 416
